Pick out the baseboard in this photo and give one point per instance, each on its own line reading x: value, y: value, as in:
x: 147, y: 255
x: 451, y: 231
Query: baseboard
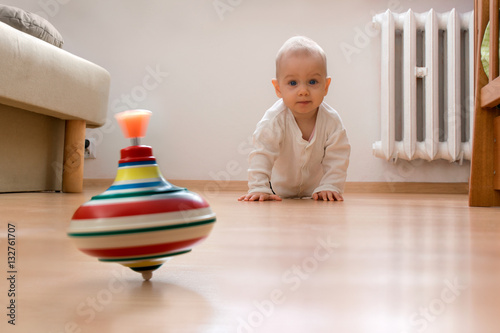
x: 407, y: 187
x: 213, y: 186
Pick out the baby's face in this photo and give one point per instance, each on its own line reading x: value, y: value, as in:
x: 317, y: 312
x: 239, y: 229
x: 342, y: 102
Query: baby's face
x: 302, y: 83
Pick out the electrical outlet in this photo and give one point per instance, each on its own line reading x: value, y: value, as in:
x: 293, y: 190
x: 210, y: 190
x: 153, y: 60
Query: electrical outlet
x: 90, y: 149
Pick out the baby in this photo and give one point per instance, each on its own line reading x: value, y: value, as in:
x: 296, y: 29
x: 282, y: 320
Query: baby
x: 300, y: 145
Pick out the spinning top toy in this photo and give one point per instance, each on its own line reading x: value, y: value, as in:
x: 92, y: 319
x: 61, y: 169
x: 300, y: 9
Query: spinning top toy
x: 141, y: 220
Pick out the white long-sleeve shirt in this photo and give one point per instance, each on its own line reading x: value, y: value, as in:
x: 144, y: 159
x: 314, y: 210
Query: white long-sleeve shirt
x: 296, y: 167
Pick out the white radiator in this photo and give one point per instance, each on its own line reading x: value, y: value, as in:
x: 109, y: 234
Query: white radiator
x: 426, y: 85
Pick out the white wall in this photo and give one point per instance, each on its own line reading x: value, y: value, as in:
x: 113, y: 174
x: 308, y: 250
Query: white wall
x: 214, y: 76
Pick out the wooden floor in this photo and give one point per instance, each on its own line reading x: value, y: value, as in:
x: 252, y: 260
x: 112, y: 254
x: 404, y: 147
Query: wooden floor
x: 399, y: 263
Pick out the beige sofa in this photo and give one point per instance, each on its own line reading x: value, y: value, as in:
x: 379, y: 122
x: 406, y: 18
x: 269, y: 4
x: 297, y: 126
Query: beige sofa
x: 48, y: 97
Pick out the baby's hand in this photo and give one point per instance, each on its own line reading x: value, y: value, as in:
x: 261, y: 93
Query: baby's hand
x: 328, y: 196
x: 258, y: 196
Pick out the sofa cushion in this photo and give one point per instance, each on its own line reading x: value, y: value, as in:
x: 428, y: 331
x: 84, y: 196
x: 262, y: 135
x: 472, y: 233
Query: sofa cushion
x: 31, y: 24
x: 39, y: 77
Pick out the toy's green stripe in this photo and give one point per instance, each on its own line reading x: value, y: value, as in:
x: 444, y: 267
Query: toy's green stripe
x: 133, y: 231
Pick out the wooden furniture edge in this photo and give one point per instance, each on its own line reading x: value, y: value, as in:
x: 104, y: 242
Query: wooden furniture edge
x: 489, y: 94
x: 74, y: 148
x: 496, y: 155
x: 481, y: 190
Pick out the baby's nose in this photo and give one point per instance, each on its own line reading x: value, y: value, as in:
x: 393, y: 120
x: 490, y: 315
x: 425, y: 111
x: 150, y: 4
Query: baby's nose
x: 303, y: 90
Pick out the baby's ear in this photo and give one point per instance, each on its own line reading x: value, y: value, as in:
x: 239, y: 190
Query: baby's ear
x: 276, y: 87
x: 327, y: 85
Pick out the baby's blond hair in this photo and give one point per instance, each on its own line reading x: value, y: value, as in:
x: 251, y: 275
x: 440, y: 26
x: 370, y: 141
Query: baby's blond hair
x: 300, y: 45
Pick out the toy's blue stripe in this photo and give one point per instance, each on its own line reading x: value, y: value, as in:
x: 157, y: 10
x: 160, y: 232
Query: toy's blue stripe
x: 136, y: 163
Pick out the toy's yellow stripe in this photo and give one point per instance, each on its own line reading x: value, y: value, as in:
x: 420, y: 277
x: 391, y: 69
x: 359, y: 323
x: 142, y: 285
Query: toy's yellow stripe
x: 144, y: 263
x: 137, y: 173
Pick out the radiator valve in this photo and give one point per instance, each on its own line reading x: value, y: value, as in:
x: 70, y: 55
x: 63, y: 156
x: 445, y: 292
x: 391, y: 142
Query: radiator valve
x: 421, y: 72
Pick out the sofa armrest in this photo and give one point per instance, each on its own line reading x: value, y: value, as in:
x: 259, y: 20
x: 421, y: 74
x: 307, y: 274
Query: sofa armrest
x: 39, y: 77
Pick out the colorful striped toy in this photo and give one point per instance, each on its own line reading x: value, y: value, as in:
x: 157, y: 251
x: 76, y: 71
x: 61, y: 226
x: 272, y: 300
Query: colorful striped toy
x: 141, y: 220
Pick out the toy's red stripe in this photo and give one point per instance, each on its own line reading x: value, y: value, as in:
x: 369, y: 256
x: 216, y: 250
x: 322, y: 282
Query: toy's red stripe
x: 141, y: 250
x: 138, y: 208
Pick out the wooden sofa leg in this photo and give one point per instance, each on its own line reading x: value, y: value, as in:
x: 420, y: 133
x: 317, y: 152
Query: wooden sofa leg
x: 496, y: 153
x: 74, y: 147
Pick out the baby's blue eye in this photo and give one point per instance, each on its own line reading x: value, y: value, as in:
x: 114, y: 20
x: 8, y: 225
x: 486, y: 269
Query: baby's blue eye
x: 293, y: 83
x: 312, y: 82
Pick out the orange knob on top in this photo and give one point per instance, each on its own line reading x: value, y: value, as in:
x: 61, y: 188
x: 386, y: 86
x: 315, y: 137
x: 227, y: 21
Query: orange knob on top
x: 133, y: 123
